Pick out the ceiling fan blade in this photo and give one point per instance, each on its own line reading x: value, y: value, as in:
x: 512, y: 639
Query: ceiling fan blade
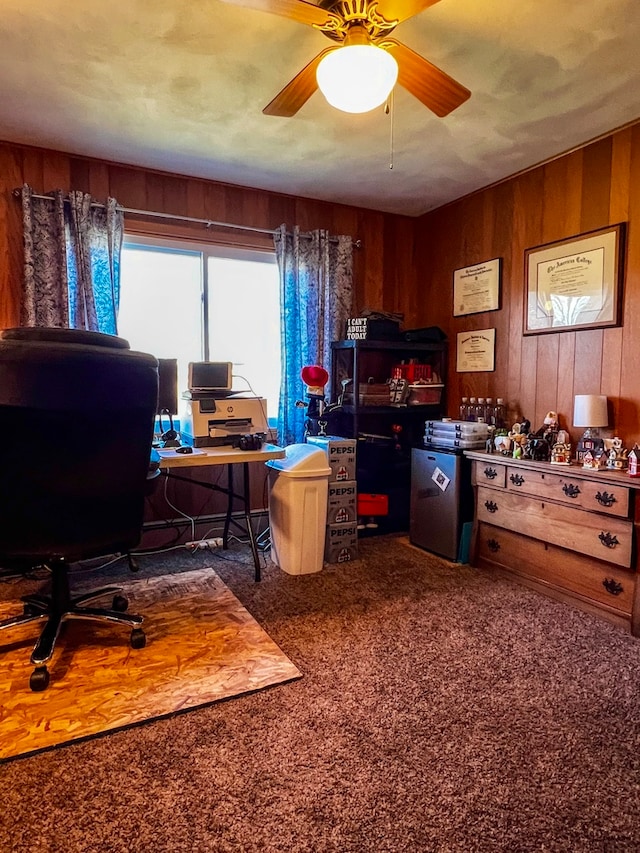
x: 437, y: 91
x: 298, y: 10
x: 400, y: 10
x: 298, y: 91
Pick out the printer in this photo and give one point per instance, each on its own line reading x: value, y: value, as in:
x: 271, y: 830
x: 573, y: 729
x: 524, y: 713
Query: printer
x: 210, y: 420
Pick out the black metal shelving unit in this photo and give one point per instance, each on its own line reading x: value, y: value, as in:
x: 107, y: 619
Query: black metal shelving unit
x: 384, y: 453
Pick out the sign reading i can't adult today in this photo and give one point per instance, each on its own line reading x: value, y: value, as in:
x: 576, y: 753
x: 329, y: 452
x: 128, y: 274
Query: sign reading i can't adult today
x: 476, y: 288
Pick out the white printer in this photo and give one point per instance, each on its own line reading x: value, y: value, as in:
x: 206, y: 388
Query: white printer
x: 208, y: 420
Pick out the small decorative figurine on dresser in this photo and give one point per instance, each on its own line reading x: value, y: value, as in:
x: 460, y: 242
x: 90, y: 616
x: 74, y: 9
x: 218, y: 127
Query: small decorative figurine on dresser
x: 489, y: 444
x: 561, y: 450
x: 617, y: 456
x: 634, y: 461
x: 595, y: 460
x: 539, y: 444
x: 550, y: 428
x: 518, y: 435
x: 502, y: 442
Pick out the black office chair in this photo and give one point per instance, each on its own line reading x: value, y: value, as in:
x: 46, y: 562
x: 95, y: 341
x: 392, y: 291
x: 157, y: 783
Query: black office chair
x: 76, y: 420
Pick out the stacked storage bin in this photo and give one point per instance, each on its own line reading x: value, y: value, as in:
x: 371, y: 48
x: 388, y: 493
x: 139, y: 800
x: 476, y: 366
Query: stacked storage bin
x: 341, y: 540
x: 454, y: 435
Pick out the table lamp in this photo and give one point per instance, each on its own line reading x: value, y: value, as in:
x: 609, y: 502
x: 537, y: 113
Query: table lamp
x: 590, y: 412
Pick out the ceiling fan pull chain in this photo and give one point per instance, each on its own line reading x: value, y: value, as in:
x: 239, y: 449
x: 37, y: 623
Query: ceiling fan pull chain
x: 388, y: 110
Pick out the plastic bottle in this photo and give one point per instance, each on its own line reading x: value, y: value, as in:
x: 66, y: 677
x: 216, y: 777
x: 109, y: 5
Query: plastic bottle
x: 471, y: 415
x: 500, y: 413
x: 488, y: 410
x: 464, y: 408
x: 480, y: 413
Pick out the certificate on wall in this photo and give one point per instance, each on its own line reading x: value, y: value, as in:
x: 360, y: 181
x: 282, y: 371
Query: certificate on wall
x: 574, y: 283
x: 476, y: 351
x: 477, y: 288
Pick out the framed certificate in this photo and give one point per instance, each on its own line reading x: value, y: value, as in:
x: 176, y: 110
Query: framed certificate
x: 477, y: 288
x: 476, y: 351
x: 574, y: 283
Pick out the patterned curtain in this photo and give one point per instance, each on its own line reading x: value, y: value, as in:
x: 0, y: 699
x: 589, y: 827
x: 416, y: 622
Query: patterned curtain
x: 72, y: 261
x: 316, y: 274
x: 45, y: 299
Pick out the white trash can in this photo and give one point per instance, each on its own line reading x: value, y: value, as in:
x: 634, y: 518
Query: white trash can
x: 299, y: 487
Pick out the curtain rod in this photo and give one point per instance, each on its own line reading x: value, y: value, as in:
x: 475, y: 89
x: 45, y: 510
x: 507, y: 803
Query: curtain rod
x: 208, y: 223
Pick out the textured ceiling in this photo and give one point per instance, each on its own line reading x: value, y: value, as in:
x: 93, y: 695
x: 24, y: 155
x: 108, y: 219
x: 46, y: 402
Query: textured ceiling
x: 180, y: 86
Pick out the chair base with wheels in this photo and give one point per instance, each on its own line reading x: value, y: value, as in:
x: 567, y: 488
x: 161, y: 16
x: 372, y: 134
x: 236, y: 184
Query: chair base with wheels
x: 59, y: 606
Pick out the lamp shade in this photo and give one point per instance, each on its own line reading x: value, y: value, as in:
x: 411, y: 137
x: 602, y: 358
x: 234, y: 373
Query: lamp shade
x: 590, y: 410
x: 357, y: 78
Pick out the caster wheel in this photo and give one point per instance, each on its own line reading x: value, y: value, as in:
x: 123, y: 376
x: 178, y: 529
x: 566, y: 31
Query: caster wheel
x: 39, y: 679
x: 138, y: 639
x: 119, y: 603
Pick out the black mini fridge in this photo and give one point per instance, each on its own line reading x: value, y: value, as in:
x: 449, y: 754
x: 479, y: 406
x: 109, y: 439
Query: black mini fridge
x: 441, y: 500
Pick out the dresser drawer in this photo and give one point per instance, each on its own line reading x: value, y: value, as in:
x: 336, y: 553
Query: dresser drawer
x: 491, y: 473
x: 605, y: 538
x: 613, y: 500
x: 562, y: 570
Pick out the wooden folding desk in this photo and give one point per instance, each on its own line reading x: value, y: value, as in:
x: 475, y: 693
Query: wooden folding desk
x: 171, y: 462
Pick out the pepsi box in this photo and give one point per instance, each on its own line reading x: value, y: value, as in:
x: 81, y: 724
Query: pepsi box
x: 341, y: 455
x: 342, y: 503
x: 341, y: 542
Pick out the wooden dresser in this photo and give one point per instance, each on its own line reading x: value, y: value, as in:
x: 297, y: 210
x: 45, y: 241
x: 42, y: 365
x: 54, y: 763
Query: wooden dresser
x: 565, y: 531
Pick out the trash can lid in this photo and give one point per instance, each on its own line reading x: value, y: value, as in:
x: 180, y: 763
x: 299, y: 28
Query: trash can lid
x: 301, y: 460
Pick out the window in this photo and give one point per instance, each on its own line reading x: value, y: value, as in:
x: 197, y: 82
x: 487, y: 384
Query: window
x: 206, y: 302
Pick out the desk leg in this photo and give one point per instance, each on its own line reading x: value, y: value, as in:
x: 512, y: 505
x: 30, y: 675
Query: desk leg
x: 247, y: 515
x: 246, y: 506
x: 227, y: 518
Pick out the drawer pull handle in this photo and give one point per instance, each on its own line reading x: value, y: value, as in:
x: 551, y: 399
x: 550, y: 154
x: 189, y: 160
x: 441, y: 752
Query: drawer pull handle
x: 516, y: 479
x: 570, y: 490
x: 490, y: 473
x: 608, y: 540
x: 605, y: 499
x: 491, y: 506
x: 612, y: 586
x: 493, y: 545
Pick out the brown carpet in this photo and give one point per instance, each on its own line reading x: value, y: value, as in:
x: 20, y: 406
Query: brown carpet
x: 202, y: 646
x: 442, y: 710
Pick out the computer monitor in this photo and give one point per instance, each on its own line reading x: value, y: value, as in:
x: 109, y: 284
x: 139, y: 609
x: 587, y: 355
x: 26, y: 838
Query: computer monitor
x: 210, y: 376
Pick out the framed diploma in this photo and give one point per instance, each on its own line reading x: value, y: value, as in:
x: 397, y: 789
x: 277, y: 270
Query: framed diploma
x: 477, y: 288
x: 476, y: 351
x: 575, y: 283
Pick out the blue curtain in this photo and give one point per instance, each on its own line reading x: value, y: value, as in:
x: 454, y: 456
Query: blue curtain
x: 72, y: 261
x: 316, y: 273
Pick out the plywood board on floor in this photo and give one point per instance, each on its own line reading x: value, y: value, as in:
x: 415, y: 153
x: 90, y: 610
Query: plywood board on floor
x: 202, y: 646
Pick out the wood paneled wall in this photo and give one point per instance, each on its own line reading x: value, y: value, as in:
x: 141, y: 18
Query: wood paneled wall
x: 406, y: 265
x: 590, y: 188
x: 383, y: 267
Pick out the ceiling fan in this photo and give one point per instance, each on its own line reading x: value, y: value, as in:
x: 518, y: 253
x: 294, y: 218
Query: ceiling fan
x: 361, y: 29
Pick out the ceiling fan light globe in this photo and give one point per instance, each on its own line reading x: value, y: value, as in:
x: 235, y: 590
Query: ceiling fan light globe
x: 357, y: 78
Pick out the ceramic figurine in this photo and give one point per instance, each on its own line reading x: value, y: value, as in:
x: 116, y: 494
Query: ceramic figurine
x: 618, y: 456
x: 550, y: 427
x: 595, y: 460
x: 502, y: 443
x: 537, y: 448
x: 561, y: 453
x: 634, y: 461
x: 518, y: 438
x: 489, y: 445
